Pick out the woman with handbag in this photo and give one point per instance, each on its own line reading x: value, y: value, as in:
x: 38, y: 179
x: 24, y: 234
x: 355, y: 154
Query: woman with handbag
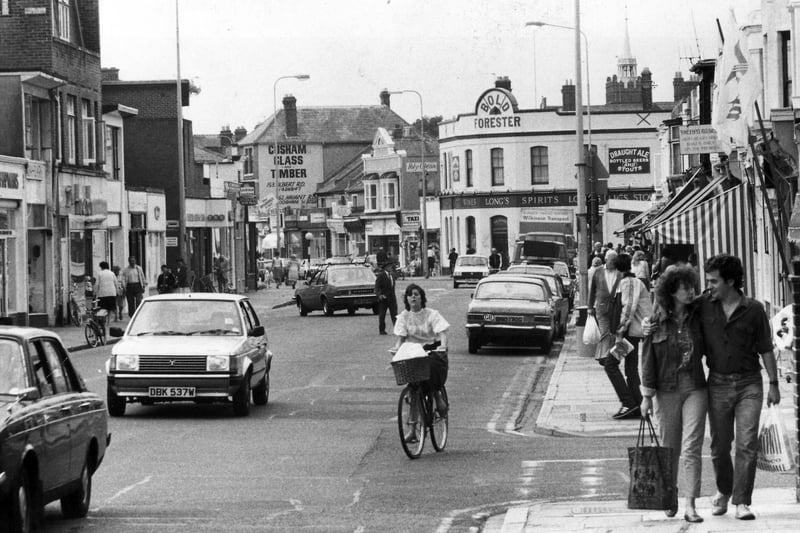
x: 673, y: 382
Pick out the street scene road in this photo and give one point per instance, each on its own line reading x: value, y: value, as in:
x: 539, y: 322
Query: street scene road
x: 324, y: 454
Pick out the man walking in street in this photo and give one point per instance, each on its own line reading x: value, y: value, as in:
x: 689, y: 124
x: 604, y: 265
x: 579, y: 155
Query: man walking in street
x: 135, y: 282
x: 431, y: 261
x: 384, y: 289
x: 183, y: 276
x: 735, y: 330
x: 495, y: 261
x: 452, y: 259
x: 106, y: 291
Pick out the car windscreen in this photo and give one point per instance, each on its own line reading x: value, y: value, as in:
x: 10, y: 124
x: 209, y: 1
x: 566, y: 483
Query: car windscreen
x: 530, y: 269
x: 350, y: 275
x: 561, y: 269
x: 12, y: 367
x: 186, y: 317
x: 543, y: 249
x: 473, y: 261
x: 510, y: 290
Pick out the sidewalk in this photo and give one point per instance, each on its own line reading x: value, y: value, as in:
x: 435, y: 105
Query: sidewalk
x: 579, y: 402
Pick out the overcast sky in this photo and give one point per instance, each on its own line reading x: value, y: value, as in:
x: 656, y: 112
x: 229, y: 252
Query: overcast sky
x: 448, y: 50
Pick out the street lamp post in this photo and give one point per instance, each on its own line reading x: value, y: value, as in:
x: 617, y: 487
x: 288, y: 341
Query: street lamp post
x: 424, y: 250
x: 583, y: 251
x: 301, y: 77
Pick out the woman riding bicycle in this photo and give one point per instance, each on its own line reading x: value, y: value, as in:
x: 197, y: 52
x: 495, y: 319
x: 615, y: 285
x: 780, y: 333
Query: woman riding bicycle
x: 420, y: 325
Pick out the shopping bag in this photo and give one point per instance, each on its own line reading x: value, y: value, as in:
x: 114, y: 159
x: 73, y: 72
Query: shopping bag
x: 652, y: 481
x: 591, y: 331
x: 774, y: 448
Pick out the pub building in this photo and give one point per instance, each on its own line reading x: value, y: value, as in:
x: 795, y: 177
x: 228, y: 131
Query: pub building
x: 506, y: 170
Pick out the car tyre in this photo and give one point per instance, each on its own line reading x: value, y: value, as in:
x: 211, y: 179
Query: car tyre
x: 326, y: 307
x: 76, y: 504
x: 261, y: 391
x: 302, y: 307
x: 241, y: 398
x: 23, y: 502
x: 351, y: 311
x: 548, y: 344
x: 474, y: 343
x: 116, y: 404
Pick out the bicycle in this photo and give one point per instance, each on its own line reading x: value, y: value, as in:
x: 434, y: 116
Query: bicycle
x: 77, y: 309
x: 416, y: 407
x: 95, y: 329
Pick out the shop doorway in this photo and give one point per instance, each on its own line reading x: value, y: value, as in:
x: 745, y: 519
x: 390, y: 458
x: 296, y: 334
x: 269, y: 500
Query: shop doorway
x: 499, y: 236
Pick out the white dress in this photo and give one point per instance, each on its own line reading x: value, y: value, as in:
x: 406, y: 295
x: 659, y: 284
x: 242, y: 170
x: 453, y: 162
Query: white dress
x: 422, y: 327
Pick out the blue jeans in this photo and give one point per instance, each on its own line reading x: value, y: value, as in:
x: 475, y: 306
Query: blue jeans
x: 735, y: 399
x: 627, y: 391
x: 681, y: 419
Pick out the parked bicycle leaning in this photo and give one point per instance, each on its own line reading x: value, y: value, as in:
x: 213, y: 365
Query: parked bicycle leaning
x: 421, y: 325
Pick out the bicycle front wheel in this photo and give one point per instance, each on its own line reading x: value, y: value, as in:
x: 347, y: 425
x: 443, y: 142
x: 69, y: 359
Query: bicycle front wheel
x: 439, y: 425
x: 92, y: 335
x: 410, y: 424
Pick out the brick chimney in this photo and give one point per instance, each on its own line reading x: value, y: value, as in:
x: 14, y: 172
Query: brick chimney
x: 503, y: 82
x: 110, y: 74
x: 239, y: 133
x: 647, y: 89
x: 290, y: 112
x: 385, y: 98
x: 568, y: 96
x: 682, y: 88
x: 226, y: 136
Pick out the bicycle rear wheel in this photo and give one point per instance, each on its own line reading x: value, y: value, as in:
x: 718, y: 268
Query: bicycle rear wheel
x: 406, y: 423
x: 439, y: 425
x: 92, y: 335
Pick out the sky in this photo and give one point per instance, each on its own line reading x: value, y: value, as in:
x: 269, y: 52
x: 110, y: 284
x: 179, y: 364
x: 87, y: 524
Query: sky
x: 450, y: 51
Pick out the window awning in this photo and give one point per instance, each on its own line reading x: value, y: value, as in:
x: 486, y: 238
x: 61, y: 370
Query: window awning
x: 686, y: 199
x: 354, y: 226
x: 719, y: 224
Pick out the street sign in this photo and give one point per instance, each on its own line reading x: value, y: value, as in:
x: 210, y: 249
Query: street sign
x: 415, y: 166
x: 699, y: 139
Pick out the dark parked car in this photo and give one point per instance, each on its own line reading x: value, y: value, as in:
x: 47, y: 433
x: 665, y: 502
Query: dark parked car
x: 338, y: 287
x: 201, y: 347
x: 559, y: 291
x: 511, y: 308
x: 53, y: 431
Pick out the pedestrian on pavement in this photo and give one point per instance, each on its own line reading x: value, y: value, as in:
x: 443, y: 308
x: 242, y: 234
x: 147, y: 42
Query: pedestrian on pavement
x: 635, y: 306
x: 221, y: 269
x: 640, y: 268
x: 735, y: 331
x: 120, y: 301
x: 387, y: 300
x: 495, y: 261
x: 183, y: 276
x: 421, y: 325
x: 596, y: 263
x: 452, y: 259
x: 166, y: 282
x: 135, y: 283
x: 277, y: 269
x: 293, y: 271
x: 106, y: 291
x: 673, y: 382
x: 381, y: 257
x: 431, y: 261
x: 597, y: 252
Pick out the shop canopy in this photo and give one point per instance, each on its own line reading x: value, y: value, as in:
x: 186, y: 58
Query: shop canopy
x: 718, y: 224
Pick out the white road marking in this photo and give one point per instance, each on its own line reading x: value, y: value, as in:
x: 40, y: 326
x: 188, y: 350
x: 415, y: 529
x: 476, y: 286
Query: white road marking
x: 123, y: 491
x: 356, y: 498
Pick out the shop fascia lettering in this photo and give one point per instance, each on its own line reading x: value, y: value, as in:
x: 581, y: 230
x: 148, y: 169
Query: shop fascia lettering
x: 495, y: 109
x: 554, y: 199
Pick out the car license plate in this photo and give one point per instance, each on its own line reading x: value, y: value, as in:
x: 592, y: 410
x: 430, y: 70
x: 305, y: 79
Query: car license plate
x: 171, y: 392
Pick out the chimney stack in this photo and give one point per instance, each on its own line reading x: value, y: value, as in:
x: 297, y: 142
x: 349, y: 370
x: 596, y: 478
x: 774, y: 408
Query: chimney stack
x: 385, y: 98
x: 109, y: 74
x: 568, y: 96
x: 239, y: 133
x: 647, y: 89
x: 503, y: 82
x: 226, y: 136
x: 290, y: 113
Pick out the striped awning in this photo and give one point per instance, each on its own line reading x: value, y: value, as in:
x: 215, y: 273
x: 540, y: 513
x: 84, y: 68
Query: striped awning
x: 720, y: 224
x: 686, y: 199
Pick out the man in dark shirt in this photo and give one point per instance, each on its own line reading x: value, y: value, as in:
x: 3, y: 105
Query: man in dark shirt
x: 735, y: 331
x: 387, y: 300
x: 495, y: 260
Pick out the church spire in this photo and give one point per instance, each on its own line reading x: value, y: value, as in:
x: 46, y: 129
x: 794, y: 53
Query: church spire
x: 626, y: 65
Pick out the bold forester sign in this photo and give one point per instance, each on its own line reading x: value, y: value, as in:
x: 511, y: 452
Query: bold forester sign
x: 629, y: 160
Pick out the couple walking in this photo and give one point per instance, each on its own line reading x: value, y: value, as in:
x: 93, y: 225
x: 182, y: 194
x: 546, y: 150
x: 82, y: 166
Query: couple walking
x: 731, y: 331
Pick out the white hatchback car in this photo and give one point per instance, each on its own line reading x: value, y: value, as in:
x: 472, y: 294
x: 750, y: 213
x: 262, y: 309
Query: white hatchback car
x: 201, y: 347
x: 470, y: 269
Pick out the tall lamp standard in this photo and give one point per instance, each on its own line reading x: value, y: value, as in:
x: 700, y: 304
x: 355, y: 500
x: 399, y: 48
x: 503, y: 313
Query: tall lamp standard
x: 583, y: 251
x: 301, y: 77
x: 424, y: 250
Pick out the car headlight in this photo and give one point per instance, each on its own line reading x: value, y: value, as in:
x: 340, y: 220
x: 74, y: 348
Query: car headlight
x: 127, y: 363
x: 218, y: 363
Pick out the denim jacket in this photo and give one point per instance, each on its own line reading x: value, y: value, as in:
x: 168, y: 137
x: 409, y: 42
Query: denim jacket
x: 661, y: 355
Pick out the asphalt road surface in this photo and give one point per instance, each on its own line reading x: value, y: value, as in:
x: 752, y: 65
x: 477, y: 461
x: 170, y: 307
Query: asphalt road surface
x: 324, y: 454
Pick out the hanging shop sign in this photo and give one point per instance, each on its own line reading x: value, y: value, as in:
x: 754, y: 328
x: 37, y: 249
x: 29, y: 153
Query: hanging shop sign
x: 629, y: 160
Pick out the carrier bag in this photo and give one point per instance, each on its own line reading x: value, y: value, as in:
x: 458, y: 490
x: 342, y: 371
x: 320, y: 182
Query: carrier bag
x: 774, y: 449
x: 652, y: 481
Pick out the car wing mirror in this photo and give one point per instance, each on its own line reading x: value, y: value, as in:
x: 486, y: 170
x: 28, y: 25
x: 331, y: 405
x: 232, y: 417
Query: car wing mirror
x: 116, y: 331
x: 28, y: 394
x: 257, y: 331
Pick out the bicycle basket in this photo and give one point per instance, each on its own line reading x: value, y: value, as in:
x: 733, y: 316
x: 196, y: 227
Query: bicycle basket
x: 412, y: 370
